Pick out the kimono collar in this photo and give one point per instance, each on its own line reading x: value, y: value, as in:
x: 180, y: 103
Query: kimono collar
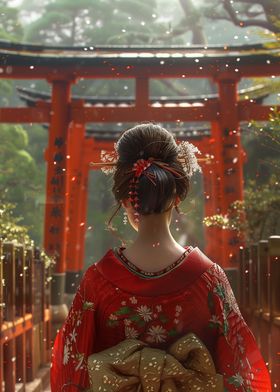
x: 192, y: 267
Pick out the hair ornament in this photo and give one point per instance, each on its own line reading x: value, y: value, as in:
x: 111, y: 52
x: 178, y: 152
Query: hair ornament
x: 109, y: 160
x: 140, y: 165
x: 187, y: 157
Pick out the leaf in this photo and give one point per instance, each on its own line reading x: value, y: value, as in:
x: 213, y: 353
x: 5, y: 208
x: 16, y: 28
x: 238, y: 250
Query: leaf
x: 123, y: 310
x: 172, y: 332
x: 88, y: 305
x: 135, y: 317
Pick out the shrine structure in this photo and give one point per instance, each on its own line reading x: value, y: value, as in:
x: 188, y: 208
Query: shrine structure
x: 69, y: 151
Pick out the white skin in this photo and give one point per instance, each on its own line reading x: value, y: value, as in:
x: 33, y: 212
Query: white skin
x: 154, y: 247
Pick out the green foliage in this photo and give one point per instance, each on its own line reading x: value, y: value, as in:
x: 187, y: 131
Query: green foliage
x: 10, y: 25
x: 10, y: 30
x: 258, y: 216
x: 262, y: 213
x: 20, y: 179
x: 10, y: 230
x: 17, y: 166
x: 88, y: 22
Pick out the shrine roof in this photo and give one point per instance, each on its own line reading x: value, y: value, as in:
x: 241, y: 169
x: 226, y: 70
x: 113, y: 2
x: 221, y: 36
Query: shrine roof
x: 16, y: 54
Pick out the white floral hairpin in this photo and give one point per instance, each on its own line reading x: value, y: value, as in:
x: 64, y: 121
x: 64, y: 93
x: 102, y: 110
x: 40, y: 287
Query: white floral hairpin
x: 109, y: 160
x: 187, y: 157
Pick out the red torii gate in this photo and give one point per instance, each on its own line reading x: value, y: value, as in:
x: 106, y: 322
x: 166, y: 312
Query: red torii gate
x: 68, y: 165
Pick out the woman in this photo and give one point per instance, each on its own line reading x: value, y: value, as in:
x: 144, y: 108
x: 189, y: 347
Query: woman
x: 155, y: 290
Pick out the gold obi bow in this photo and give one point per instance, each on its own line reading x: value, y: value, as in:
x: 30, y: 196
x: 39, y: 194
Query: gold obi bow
x: 133, y: 366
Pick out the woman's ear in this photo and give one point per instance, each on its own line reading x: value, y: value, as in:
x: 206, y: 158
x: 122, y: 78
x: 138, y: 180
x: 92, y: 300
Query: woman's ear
x: 177, y: 201
x: 125, y: 203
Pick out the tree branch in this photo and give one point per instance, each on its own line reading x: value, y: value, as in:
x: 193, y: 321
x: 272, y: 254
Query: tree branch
x: 245, y: 23
x: 252, y: 14
x: 261, y: 2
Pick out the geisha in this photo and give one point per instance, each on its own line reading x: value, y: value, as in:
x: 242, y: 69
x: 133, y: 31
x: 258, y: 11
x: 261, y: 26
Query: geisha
x: 155, y: 301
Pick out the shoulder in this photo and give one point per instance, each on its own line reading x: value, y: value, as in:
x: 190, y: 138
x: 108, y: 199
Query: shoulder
x: 212, y: 272
x: 91, y: 279
x: 217, y: 274
x: 199, y: 260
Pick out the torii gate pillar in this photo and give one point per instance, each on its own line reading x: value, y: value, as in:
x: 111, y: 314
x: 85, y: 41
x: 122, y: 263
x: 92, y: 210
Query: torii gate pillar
x: 78, y: 187
x: 231, y: 158
x: 56, y: 208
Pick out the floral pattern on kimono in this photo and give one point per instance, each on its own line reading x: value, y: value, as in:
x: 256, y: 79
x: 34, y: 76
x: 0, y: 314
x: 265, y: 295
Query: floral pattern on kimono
x: 236, y: 355
x: 149, y: 323
x: 74, y: 341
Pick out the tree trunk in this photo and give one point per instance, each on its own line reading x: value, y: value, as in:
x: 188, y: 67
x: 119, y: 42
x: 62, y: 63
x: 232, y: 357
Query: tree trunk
x: 73, y: 31
x: 195, y: 26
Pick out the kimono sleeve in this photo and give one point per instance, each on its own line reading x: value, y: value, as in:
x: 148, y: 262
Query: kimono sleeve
x: 237, y: 356
x: 74, y: 342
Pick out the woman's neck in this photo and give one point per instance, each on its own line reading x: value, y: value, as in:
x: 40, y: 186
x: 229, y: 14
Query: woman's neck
x: 154, y: 229
x: 154, y: 247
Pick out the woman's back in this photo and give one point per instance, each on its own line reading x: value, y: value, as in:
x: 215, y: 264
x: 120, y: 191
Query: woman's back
x: 155, y: 300
x: 114, y: 303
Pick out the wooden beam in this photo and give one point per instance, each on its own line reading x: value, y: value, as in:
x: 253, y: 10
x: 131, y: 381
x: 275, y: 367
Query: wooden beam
x: 248, y: 111
x: 164, y: 69
x: 25, y: 115
x: 207, y: 112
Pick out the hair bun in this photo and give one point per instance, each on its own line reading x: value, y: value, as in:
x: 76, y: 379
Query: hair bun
x: 144, y: 141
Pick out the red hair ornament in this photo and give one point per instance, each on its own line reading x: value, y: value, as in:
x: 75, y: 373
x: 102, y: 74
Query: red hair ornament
x: 138, y: 169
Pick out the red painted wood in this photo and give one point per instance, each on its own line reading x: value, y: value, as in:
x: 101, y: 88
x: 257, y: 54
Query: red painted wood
x: 207, y: 112
x: 25, y: 115
x: 231, y: 163
x: 149, y: 71
x: 56, y: 210
x: 210, y: 205
x: 83, y: 217
x: 76, y: 198
x: 247, y: 111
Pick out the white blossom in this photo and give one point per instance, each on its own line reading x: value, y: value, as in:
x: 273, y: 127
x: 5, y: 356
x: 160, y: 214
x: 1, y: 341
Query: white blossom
x: 157, y: 334
x: 66, y: 354
x: 131, y: 333
x: 159, y: 308
x: 133, y: 300
x: 145, y: 312
x: 73, y: 335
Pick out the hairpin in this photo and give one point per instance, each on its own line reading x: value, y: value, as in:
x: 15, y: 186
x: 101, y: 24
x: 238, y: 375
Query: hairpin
x: 186, y: 155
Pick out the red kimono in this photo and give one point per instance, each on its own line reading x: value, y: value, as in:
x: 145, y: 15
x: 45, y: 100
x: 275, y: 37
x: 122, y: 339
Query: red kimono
x: 112, y: 304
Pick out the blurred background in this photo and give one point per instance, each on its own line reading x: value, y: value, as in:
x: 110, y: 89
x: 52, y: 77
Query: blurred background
x: 136, y: 22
